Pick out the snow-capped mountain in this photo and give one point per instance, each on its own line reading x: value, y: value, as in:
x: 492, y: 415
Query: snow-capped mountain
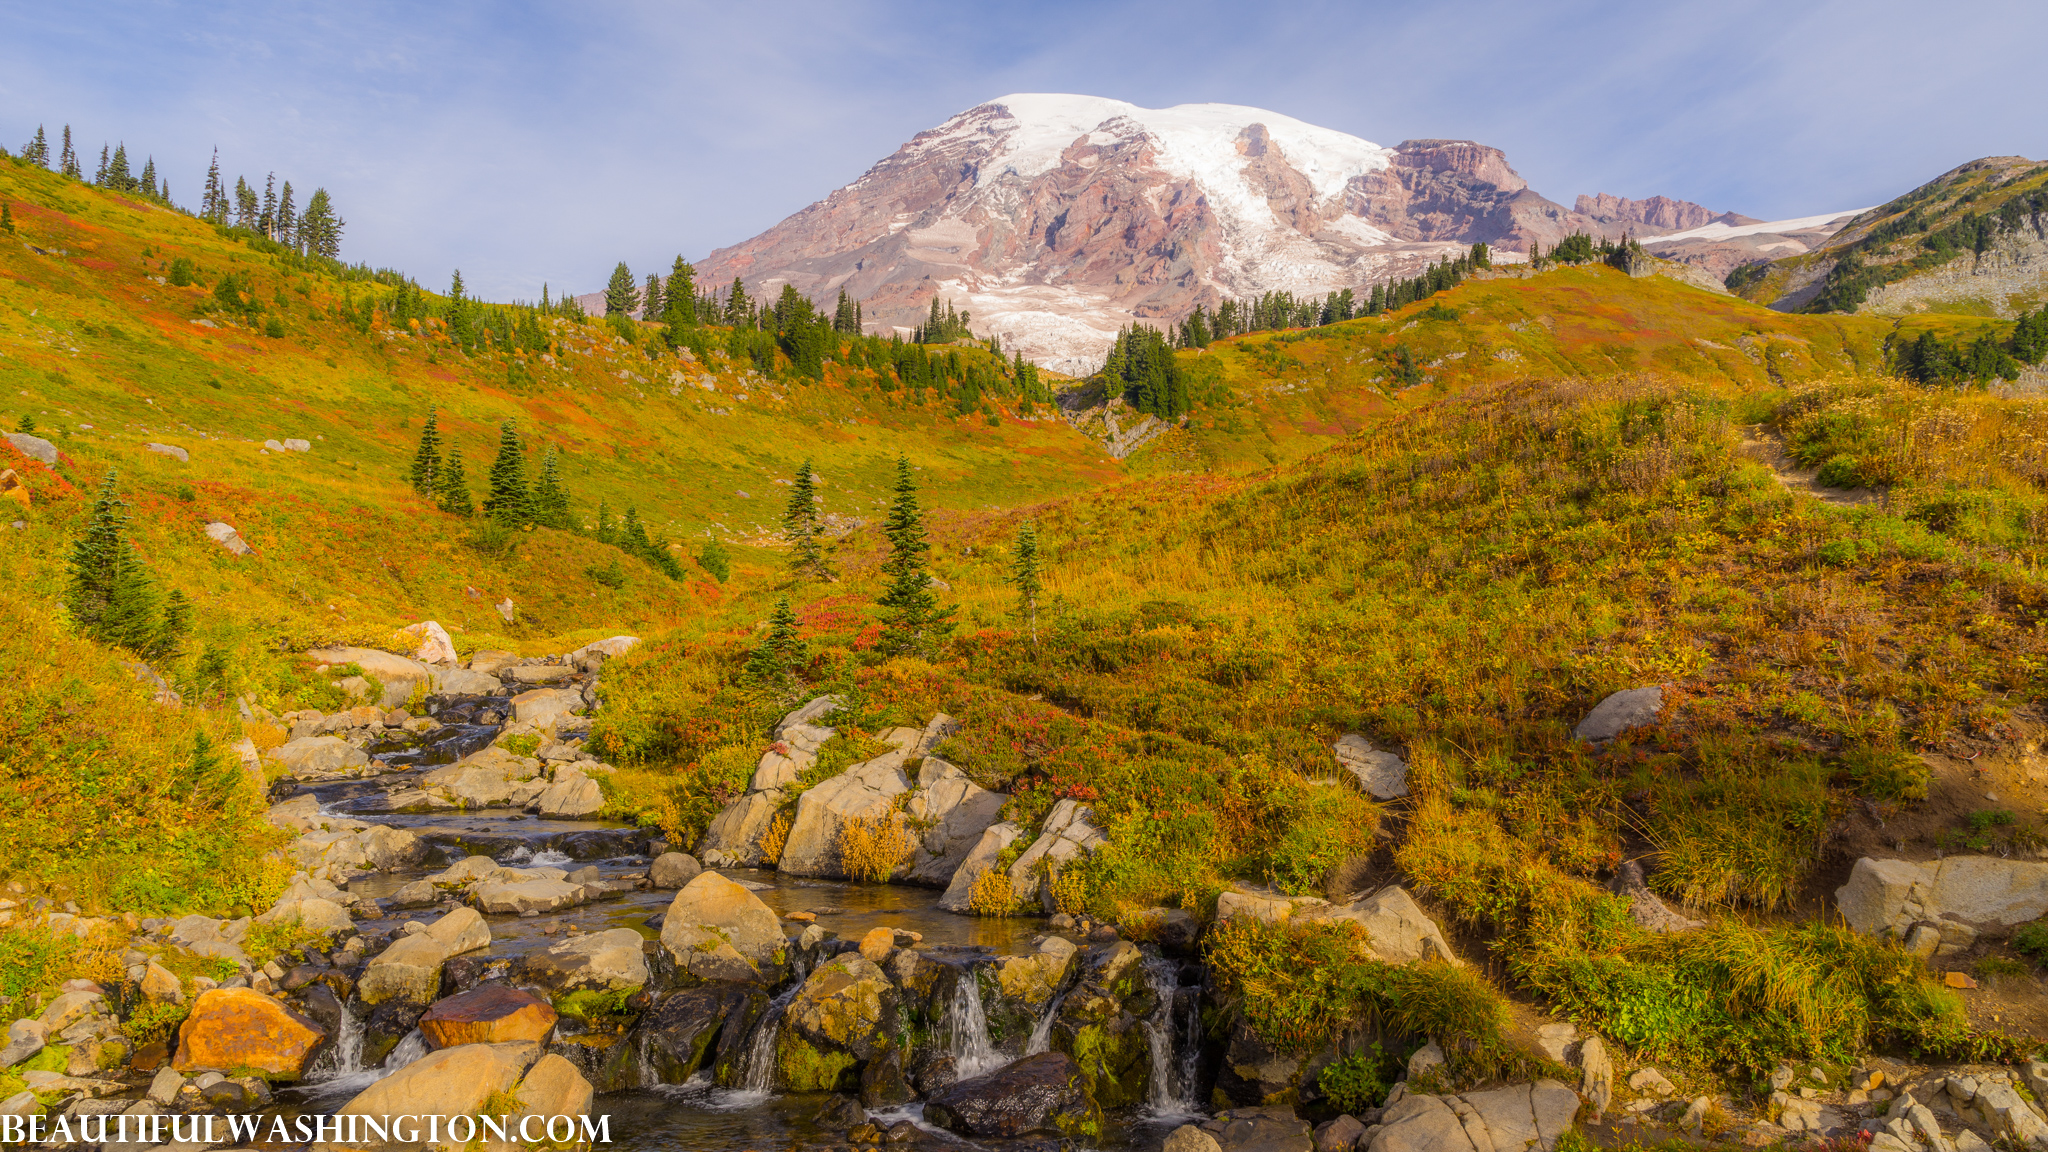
x: 1058, y: 219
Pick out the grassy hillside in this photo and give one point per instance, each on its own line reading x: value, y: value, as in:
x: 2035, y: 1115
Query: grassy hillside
x: 1287, y: 393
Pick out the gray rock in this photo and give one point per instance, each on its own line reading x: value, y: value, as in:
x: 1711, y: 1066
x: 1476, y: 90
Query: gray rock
x: 1399, y: 930
x: 1959, y: 897
x: 417, y: 894
x: 1339, y: 1135
x: 1632, y: 708
x: 298, y: 446
x: 956, y: 811
x: 817, y: 708
x: 163, y: 1088
x: 605, y: 648
x: 34, y: 447
x: 1068, y: 831
x: 822, y: 813
x: 171, y: 450
x: 464, y: 682
x: 735, y: 833
x: 319, y: 755
x: 541, y: 707
x: 1645, y: 906
x: 1383, y: 775
x: 517, y: 897
x: 572, y: 796
x: 983, y: 856
x: 605, y: 961
x: 539, y: 673
x: 225, y: 535
x: 1597, y: 1080
x: 673, y: 869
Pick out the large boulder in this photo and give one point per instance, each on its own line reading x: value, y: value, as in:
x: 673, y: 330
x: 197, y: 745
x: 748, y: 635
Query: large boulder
x: 607, y: 647
x: 673, y: 870
x: 492, y: 777
x: 514, y: 897
x: 34, y: 447
x: 987, y: 850
x: 863, y: 791
x: 608, y: 961
x: 1037, y: 1094
x: 572, y: 796
x: 434, y: 645
x: 1521, y: 1116
x: 312, y: 915
x: 233, y: 1028
x: 1100, y: 1024
x: 1264, y: 904
x: 789, y: 757
x: 542, y: 707
x: 1068, y: 831
x: 398, y: 674
x: 1270, y: 1129
x: 1961, y: 897
x: 538, y: 673
x: 1383, y: 775
x: 717, y: 930
x: 465, y: 682
x: 675, y: 1036
x: 488, y: 1014
x: 319, y: 756
x: 450, y: 1082
x: 213, y: 939
x: 954, y: 811
x: 1399, y: 930
x: 817, y: 709
x: 1619, y: 712
x: 551, y: 1088
x: 410, y: 969
x: 843, y: 1016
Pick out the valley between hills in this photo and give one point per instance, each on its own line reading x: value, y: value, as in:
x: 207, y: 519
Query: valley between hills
x: 1548, y: 678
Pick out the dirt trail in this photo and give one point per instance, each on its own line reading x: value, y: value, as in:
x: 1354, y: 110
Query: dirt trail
x: 1761, y: 444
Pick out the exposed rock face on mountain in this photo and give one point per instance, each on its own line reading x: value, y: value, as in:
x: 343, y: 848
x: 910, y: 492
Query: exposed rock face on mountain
x: 1058, y: 219
x: 1656, y: 214
x: 1721, y: 245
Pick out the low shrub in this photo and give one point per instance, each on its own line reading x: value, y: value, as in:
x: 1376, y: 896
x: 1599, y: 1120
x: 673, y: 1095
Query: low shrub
x: 873, y: 846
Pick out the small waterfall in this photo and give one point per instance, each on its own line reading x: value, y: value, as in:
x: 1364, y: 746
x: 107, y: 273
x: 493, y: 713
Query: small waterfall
x: 757, y: 1067
x: 549, y: 858
x: 1171, y: 1088
x: 407, y: 1050
x: 967, y: 1039
x: 1041, y: 1035
x: 346, y: 1058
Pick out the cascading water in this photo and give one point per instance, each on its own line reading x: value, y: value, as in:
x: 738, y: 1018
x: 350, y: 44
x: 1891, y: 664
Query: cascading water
x: 757, y: 1067
x: 1172, y: 1084
x: 346, y: 1059
x: 967, y: 1039
x: 1041, y: 1034
x: 408, y: 1050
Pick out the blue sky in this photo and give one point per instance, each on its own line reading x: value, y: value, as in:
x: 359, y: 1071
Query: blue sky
x: 526, y: 143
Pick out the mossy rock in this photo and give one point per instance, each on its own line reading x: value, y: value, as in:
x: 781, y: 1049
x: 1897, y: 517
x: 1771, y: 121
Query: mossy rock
x: 800, y: 1067
x: 1116, y: 1066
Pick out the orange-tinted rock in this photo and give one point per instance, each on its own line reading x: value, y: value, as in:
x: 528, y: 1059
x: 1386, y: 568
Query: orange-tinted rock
x: 488, y: 1014
x: 233, y: 1028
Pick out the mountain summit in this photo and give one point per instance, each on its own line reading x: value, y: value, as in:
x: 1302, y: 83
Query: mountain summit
x: 1057, y: 219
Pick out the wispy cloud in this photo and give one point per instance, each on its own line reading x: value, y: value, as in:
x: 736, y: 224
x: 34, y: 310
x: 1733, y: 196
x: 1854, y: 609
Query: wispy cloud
x: 526, y: 143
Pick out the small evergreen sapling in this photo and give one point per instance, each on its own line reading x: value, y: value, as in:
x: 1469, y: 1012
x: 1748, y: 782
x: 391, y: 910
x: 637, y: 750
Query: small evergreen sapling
x: 800, y: 526
x: 451, y: 488
x: 779, y: 652
x: 550, y: 501
x: 1025, y: 575
x: 714, y: 559
x: 509, y: 502
x: 426, y: 462
x: 913, y: 622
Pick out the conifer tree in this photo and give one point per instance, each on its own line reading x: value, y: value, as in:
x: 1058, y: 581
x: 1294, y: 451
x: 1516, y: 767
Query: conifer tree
x: 452, y: 488
x: 426, y: 462
x: 266, y: 216
x: 714, y: 559
x: 680, y: 296
x: 650, y: 298
x: 737, y: 307
x: 800, y: 526
x: 1025, y: 575
x: 99, y: 175
x: 605, y: 532
x: 620, y: 297
x: 287, y: 218
x: 148, y: 180
x: 70, y: 158
x: 509, y: 501
x: 913, y: 621
x: 37, y: 151
x: 7, y: 218
x: 111, y: 594
x: 779, y: 652
x: 550, y: 500
x: 319, y: 228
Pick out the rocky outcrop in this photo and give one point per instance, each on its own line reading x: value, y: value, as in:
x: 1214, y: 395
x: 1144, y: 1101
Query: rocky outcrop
x: 314, y: 756
x: 1398, y: 930
x: 399, y: 675
x: 955, y: 812
x: 1069, y: 830
x: 864, y: 791
x: 451, y: 1082
x: 410, y: 969
x: 608, y: 961
x: 1942, y: 907
x: 987, y: 851
x: 1037, y: 1094
x: 1523, y: 1116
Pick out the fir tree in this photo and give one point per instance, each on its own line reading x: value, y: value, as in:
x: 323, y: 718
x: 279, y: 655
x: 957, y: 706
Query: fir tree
x: 550, y: 500
x: 168, y: 634
x: 37, y: 151
x: 287, y: 219
x: 451, y: 488
x: 110, y: 593
x: 426, y: 462
x: 779, y: 652
x: 319, y: 229
x: 1025, y: 574
x: 7, y: 218
x: 680, y: 296
x: 737, y: 308
x: 800, y: 526
x: 620, y: 297
x: 509, y: 501
x: 148, y: 185
x: 70, y: 158
x: 118, y: 177
x: 606, y: 532
x: 651, y: 299
x: 266, y: 216
x: 913, y: 620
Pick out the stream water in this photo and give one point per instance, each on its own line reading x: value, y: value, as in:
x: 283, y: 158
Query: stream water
x: 700, y: 1115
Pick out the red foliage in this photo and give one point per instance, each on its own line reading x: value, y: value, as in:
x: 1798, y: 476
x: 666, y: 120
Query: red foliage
x: 43, y: 484
x: 868, y: 638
